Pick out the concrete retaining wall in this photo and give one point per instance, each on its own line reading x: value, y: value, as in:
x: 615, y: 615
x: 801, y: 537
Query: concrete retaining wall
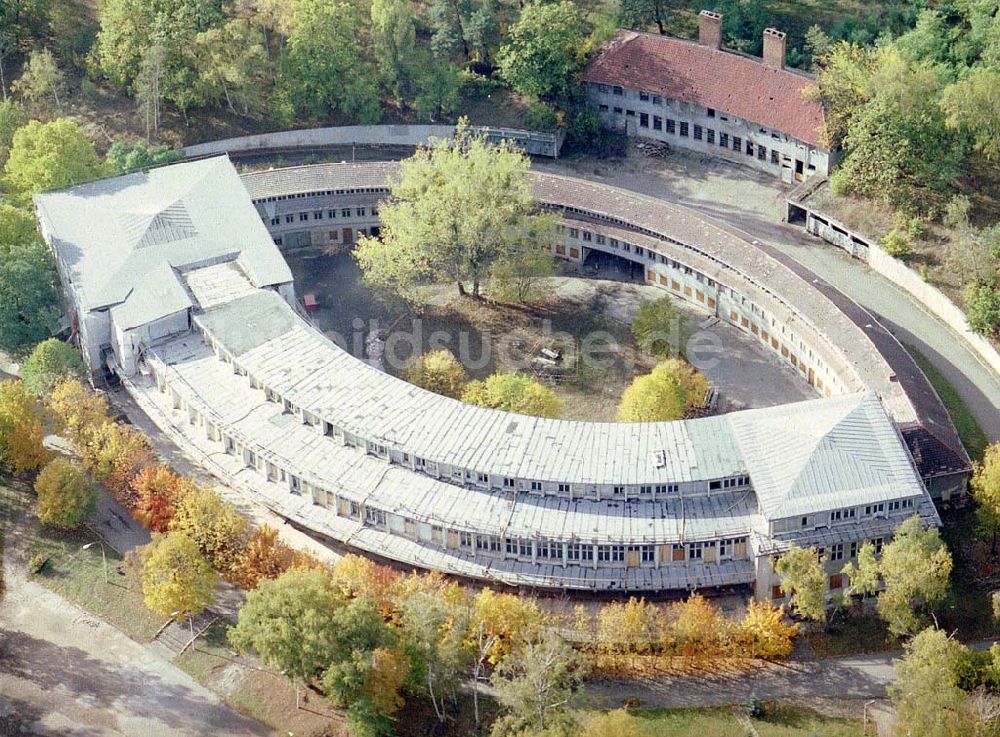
x: 533, y: 142
x: 867, y: 249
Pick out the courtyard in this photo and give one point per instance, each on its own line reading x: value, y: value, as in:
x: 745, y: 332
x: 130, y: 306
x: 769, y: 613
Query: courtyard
x: 583, y: 312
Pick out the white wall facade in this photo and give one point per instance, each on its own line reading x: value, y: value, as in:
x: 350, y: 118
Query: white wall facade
x: 715, y: 132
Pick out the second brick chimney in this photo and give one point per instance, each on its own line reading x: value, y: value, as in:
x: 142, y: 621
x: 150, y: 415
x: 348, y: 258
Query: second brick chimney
x: 710, y: 29
x: 774, y: 48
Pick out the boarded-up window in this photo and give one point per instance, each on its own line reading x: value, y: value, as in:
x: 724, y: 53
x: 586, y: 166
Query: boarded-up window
x: 836, y: 581
x: 777, y: 593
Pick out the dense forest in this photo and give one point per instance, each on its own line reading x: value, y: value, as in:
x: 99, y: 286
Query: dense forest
x: 912, y: 88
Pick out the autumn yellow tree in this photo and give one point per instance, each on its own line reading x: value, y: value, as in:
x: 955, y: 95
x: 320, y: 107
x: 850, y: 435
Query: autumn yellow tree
x: 21, y: 433
x: 76, y: 410
x: 157, y: 490
x: 506, y: 620
x: 697, y: 629
x: 439, y: 372
x: 115, y: 454
x: 356, y: 576
x: 177, y: 581
x: 635, y: 626
x: 219, y: 531
x: 265, y: 556
x: 671, y: 391
x: 65, y: 495
x: 514, y: 393
x: 764, y: 631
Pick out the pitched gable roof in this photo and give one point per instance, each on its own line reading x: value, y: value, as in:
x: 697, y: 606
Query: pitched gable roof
x: 727, y: 81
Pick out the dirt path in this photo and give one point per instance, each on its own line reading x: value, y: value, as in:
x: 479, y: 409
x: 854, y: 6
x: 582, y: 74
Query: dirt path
x: 64, y: 672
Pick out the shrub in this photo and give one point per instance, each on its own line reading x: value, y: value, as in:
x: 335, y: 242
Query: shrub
x: 982, y: 308
x: 514, y: 393
x: 540, y: 117
x: 65, y: 495
x: 50, y: 362
x: 897, y: 243
x: 439, y: 372
x: 670, y: 391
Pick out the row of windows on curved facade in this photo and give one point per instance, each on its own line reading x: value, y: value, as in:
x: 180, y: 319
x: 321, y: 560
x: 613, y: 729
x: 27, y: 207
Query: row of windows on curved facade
x: 489, y: 544
x: 739, y: 311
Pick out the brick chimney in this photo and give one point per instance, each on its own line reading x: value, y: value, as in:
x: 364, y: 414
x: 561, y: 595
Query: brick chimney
x: 774, y: 48
x: 710, y: 29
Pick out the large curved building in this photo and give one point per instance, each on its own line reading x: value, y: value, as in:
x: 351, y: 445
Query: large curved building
x: 178, y: 286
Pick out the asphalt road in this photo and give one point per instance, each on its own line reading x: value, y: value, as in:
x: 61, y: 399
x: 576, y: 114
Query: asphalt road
x: 64, y: 672
x: 754, y: 204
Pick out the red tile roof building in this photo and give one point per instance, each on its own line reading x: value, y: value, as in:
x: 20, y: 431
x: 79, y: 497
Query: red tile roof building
x: 776, y: 107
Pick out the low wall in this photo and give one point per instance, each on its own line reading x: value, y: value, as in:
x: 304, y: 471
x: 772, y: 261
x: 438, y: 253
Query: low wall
x: 867, y: 249
x: 533, y: 142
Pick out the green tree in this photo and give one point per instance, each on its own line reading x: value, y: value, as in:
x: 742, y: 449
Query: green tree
x: 123, y: 157
x: 177, y: 581
x: 41, y: 77
x: 986, y: 491
x: 48, y: 156
x: 129, y: 28
x: 28, y: 297
x: 514, y: 393
x: 50, y: 362
x: 66, y: 496
x: 900, y: 151
x: 446, y: 19
x: 863, y: 577
x: 439, y: 372
x: 669, y: 392
x: 291, y: 623
x: 231, y: 65
x: 12, y: 117
x: 844, y: 73
x: 982, y: 308
x: 804, y: 581
x: 541, y: 56
x: 322, y: 69
x: 436, y: 86
x: 514, y: 279
x: 644, y: 13
x: 395, y: 43
x: 925, y: 691
x: 434, y: 633
x: 534, y: 685
x: 658, y: 328
x: 915, y: 567
x: 457, y: 207
x: 360, y: 650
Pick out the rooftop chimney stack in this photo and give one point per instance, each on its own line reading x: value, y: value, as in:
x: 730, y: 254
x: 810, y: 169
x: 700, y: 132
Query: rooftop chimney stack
x: 774, y: 48
x: 710, y: 29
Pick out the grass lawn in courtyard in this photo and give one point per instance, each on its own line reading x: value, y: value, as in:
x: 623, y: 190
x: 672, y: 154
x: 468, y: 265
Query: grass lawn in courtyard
x: 777, y: 721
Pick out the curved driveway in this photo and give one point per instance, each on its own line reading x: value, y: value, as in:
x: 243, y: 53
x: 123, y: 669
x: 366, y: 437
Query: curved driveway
x: 750, y: 202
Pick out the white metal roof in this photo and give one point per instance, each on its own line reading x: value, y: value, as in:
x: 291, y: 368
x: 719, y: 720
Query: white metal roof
x: 111, y: 234
x: 823, y: 454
